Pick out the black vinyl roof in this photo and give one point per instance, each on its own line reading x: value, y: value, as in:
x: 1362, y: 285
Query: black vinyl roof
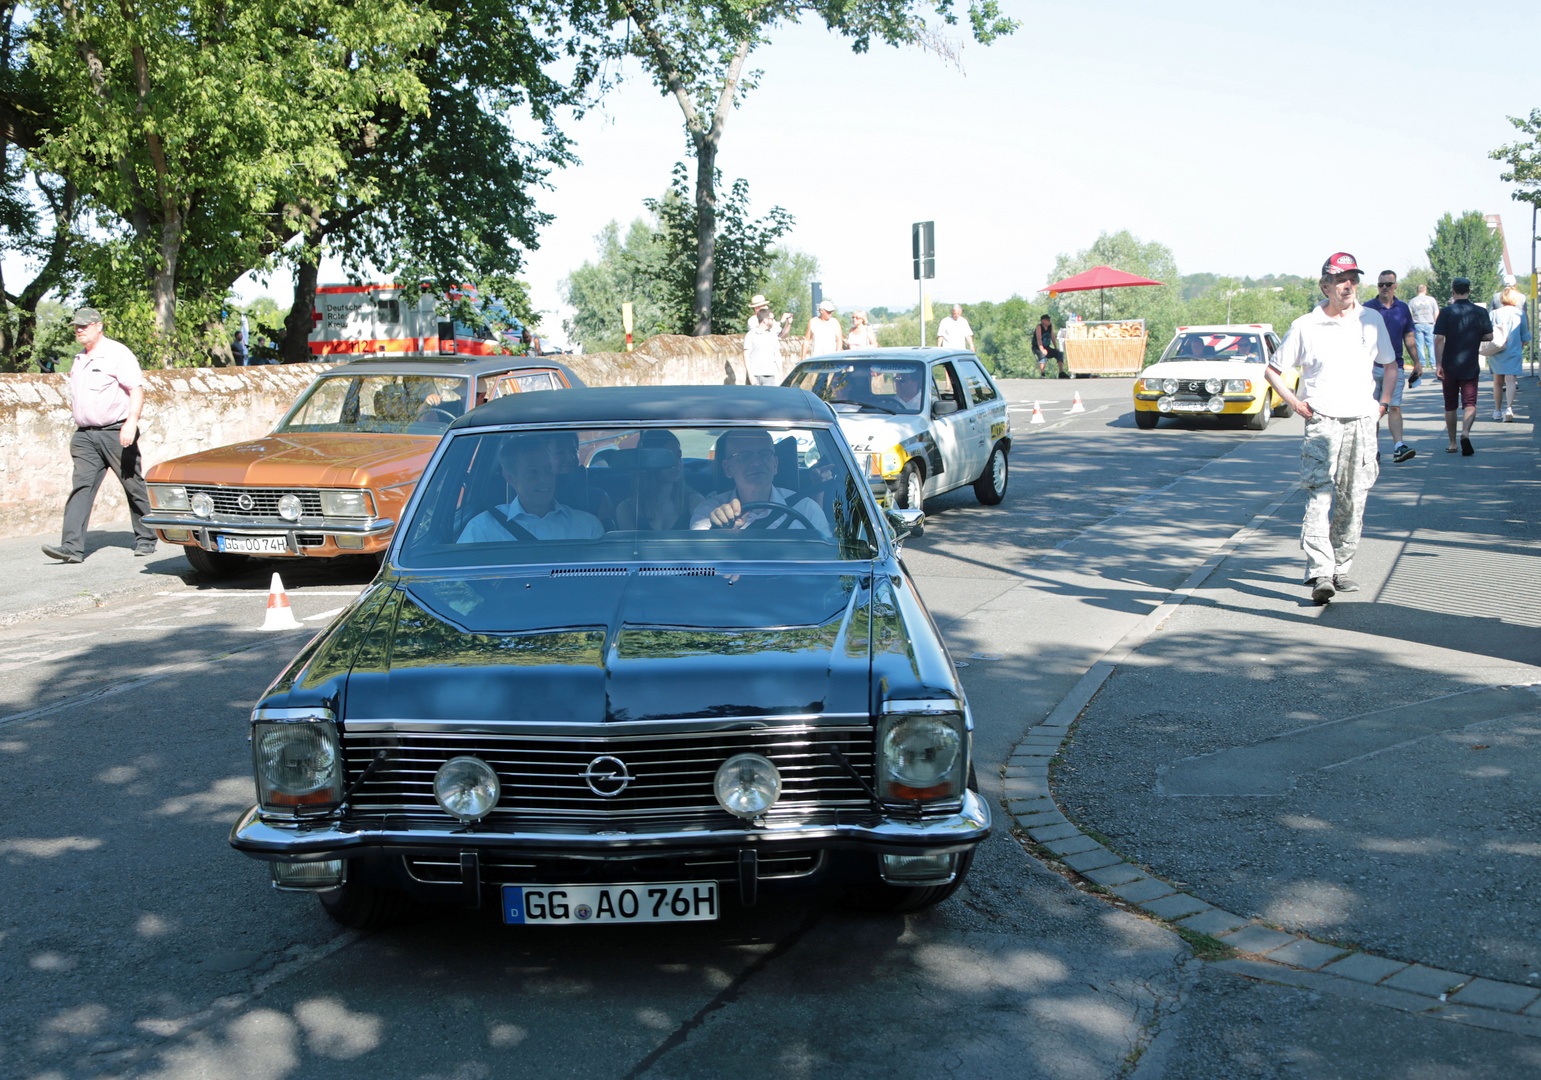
x: 629, y: 404
x: 462, y: 366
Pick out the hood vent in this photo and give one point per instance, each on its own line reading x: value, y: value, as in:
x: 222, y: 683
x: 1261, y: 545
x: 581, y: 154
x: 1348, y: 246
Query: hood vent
x: 678, y: 571
x: 590, y: 571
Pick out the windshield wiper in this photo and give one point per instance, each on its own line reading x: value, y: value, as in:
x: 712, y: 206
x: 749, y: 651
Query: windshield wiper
x: 864, y: 405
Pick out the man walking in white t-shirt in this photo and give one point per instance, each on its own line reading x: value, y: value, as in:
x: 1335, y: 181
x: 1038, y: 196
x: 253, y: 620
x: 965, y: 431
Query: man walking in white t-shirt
x: 954, y: 332
x: 824, y: 332
x: 1336, y: 346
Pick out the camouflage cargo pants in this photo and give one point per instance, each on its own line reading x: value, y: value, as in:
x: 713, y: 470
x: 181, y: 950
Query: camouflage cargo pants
x: 1338, y: 469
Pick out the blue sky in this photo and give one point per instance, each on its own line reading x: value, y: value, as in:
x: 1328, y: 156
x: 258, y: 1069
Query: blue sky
x: 1248, y: 139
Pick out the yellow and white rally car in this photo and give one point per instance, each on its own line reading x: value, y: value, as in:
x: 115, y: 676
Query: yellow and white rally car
x: 1213, y: 371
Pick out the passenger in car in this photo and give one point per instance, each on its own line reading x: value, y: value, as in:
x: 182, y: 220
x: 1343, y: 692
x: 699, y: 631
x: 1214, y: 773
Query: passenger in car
x: 529, y: 464
x: 748, y: 458
x: 664, y: 501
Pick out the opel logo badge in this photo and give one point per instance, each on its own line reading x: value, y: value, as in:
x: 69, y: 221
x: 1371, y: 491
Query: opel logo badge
x: 245, y: 501
x: 606, y: 776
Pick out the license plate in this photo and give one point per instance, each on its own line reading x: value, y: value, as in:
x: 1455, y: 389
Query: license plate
x: 254, y: 545
x: 1189, y: 406
x: 677, y: 901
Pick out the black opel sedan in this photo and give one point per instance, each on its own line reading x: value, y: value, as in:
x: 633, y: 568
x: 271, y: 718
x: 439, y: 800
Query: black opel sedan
x: 634, y: 654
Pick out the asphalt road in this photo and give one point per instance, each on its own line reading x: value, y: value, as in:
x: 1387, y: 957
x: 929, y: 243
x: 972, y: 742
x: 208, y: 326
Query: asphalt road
x: 135, y: 943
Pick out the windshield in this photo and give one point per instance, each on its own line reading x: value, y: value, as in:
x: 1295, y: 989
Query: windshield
x: 880, y: 385
x: 674, y: 494
x: 1207, y: 345
x: 404, y: 404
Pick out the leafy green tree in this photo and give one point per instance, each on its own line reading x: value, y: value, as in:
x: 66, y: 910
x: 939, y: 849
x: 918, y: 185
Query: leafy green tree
x: 626, y: 271
x: 1230, y: 301
x: 1003, y: 335
x: 743, y: 247
x: 696, y: 54
x: 1523, y: 158
x: 1465, y: 247
x: 181, y: 118
x: 1161, y: 306
x: 789, y: 285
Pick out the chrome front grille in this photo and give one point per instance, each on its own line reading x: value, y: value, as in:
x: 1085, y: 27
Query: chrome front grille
x: 264, y: 501
x: 496, y: 869
x: 543, y: 779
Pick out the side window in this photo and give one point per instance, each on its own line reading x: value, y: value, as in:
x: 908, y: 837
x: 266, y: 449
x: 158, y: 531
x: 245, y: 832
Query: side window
x: 524, y: 382
x: 388, y: 311
x: 979, y: 389
x: 945, y: 394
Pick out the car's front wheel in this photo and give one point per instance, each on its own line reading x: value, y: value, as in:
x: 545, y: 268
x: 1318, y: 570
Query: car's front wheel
x: 1258, y: 421
x: 1145, y: 419
x: 213, y: 564
x: 990, y: 488
x: 364, y: 907
x: 911, y: 493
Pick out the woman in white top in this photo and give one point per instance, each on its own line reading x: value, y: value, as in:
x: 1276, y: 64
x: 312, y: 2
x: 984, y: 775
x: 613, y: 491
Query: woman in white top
x: 861, y: 335
x: 1508, y: 362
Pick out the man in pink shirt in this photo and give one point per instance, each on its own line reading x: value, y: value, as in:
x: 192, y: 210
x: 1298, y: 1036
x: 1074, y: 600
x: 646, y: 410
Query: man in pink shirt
x: 106, y: 396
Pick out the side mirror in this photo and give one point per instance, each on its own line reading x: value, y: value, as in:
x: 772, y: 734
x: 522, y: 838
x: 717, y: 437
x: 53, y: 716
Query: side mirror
x: 906, y: 523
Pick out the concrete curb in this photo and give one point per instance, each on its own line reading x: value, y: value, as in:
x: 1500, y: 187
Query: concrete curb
x: 1263, y: 953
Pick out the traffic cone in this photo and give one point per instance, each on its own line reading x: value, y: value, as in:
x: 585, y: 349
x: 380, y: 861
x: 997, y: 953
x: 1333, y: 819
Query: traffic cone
x: 280, y: 616
x: 1076, y: 406
x: 1037, y: 414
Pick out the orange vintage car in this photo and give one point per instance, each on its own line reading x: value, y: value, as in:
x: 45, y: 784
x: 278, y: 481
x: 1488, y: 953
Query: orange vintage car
x: 336, y: 472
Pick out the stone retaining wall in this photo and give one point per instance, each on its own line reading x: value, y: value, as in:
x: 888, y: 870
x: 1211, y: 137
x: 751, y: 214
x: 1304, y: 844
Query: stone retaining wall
x: 192, y: 409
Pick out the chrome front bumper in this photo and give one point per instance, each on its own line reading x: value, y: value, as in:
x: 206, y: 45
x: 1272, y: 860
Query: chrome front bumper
x: 325, y: 840
x: 203, y: 530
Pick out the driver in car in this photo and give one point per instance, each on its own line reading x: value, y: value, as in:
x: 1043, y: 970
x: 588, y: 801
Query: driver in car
x: 749, y: 460
x: 530, y: 464
x: 907, y: 389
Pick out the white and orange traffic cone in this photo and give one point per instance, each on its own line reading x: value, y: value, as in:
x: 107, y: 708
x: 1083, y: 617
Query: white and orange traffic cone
x: 280, y: 616
x: 1075, y: 405
x: 1037, y: 414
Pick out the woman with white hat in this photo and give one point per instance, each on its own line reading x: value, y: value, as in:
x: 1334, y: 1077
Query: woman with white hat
x: 762, y: 344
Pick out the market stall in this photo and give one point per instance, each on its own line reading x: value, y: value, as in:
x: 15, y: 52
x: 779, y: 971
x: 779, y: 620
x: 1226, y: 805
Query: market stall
x: 1102, y: 347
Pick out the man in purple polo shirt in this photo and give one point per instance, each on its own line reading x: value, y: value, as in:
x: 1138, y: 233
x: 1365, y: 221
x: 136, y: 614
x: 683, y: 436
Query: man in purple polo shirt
x: 1398, y: 318
x: 106, y: 397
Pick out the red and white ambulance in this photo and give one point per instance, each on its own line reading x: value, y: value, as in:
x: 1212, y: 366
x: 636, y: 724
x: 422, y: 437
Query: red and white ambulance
x: 398, y: 320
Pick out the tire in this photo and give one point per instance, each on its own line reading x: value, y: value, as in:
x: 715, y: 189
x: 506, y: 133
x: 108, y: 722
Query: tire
x: 1145, y: 419
x: 990, y: 488
x: 881, y: 898
x: 911, y: 493
x: 1283, y: 410
x: 364, y: 907
x: 1258, y: 421
x: 213, y: 564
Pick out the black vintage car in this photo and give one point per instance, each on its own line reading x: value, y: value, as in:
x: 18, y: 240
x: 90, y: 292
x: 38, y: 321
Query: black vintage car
x: 633, y: 653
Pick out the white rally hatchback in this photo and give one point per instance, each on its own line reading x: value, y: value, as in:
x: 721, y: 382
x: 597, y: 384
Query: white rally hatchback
x: 921, y: 421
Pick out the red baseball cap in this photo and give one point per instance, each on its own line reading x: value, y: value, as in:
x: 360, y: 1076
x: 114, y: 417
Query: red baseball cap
x: 1341, y: 262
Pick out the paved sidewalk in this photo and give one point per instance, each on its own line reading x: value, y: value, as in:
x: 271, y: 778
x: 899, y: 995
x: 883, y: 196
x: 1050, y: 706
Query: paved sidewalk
x: 36, y: 586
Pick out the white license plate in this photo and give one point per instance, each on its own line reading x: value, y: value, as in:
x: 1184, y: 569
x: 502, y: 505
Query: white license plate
x: 254, y: 545
x: 1189, y: 406
x: 676, y: 901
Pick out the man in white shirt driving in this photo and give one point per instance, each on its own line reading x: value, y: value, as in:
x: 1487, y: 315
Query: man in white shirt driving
x: 530, y: 465
x: 749, y: 460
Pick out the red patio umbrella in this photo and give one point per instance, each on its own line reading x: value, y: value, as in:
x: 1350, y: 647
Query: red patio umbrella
x: 1099, y: 278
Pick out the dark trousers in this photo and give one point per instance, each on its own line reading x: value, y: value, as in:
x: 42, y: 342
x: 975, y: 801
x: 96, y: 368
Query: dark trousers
x: 94, y: 451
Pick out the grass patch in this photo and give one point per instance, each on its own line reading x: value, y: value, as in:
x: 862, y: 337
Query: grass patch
x: 1204, y: 946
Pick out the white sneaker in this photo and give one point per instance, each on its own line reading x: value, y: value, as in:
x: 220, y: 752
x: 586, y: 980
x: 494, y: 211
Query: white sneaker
x: 1497, y: 415
x: 1508, y: 416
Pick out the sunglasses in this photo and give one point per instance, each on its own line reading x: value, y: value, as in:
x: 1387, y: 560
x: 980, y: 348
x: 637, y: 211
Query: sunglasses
x: 1385, y: 284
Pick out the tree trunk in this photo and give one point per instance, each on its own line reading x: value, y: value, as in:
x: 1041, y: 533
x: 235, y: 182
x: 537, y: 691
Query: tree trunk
x: 706, y: 234
x: 298, y: 324
x: 164, y: 280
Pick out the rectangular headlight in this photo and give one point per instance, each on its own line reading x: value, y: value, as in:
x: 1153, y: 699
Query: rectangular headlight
x: 345, y: 503
x: 297, y: 765
x: 921, y: 755
x: 169, y: 497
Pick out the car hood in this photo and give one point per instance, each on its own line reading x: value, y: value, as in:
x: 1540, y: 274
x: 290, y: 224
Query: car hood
x: 325, y: 459
x: 1203, y: 369
x: 876, y: 432
x: 594, y: 647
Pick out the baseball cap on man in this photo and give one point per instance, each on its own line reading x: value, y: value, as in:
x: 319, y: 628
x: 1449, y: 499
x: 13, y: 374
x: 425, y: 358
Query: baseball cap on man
x: 1340, y: 262
x: 86, y: 316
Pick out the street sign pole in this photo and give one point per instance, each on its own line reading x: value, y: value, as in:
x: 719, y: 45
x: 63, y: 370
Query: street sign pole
x: 923, y: 248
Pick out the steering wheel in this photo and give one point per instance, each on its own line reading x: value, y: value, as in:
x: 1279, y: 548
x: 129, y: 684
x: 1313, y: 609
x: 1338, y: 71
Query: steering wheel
x: 449, y: 417
x: 764, y: 523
